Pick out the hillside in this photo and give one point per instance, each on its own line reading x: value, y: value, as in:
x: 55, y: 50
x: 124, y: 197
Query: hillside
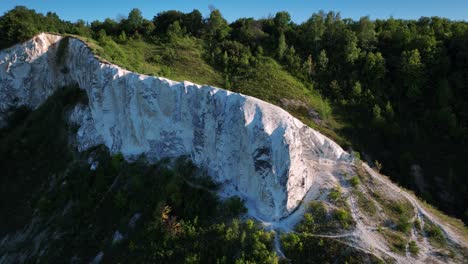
x: 394, y: 90
x: 184, y: 59
x: 385, y: 88
x: 96, y: 113
x: 336, y: 207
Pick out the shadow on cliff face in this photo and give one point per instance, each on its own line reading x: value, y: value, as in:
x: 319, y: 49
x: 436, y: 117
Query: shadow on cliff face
x: 271, y: 165
x: 34, y: 136
x: 31, y: 148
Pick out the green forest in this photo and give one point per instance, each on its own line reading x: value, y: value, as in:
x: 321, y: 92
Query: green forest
x: 393, y: 90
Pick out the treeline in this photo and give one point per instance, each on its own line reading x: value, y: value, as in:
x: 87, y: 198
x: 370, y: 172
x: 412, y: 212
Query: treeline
x: 399, y: 86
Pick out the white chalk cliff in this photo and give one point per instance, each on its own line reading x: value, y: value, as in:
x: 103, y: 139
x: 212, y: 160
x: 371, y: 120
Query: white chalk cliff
x: 258, y: 149
x: 255, y: 149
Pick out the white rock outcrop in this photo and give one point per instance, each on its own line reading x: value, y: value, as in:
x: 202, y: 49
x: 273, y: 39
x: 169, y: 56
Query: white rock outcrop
x: 253, y: 147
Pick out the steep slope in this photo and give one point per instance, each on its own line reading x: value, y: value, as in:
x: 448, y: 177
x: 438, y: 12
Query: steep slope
x: 256, y: 150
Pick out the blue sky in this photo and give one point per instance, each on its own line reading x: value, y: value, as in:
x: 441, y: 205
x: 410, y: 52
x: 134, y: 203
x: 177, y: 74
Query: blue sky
x: 300, y: 10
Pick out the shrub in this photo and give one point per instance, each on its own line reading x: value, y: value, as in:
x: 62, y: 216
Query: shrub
x: 357, y: 155
x: 343, y: 217
x: 399, y: 246
x: 117, y: 160
x: 315, y: 220
x: 291, y: 241
x: 318, y: 210
x: 413, y: 248
x: 234, y: 206
x: 307, y: 224
x: 120, y: 200
x: 417, y: 224
x: 44, y: 206
x: 399, y: 213
x: 365, y: 203
x: 378, y: 165
x: 303, y: 248
x: 335, y: 194
x: 397, y: 241
x: 354, y: 181
x: 434, y: 232
x: 404, y: 225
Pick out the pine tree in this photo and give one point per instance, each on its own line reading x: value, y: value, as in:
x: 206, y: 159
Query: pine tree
x: 281, y: 46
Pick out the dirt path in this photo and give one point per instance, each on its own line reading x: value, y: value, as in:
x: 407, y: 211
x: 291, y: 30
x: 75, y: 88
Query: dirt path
x: 451, y: 235
x: 368, y: 236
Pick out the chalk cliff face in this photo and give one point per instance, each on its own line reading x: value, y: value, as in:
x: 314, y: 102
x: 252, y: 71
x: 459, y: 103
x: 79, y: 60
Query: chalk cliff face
x: 254, y: 148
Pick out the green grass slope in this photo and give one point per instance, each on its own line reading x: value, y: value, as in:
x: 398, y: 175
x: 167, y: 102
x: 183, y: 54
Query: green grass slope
x: 179, y: 60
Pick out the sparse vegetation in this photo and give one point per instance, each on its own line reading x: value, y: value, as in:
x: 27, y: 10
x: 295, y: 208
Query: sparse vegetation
x: 336, y: 195
x: 357, y: 156
x: 455, y: 223
x: 417, y: 224
x: 413, y: 248
x: 305, y: 248
x: 399, y: 212
x: 367, y: 205
x: 378, y: 165
x: 435, y: 234
x: 344, y: 217
x: 354, y: 181
x: 318, y: 219
x: 404, y: 224
x: 315, y: 220
x: 396, y: 240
